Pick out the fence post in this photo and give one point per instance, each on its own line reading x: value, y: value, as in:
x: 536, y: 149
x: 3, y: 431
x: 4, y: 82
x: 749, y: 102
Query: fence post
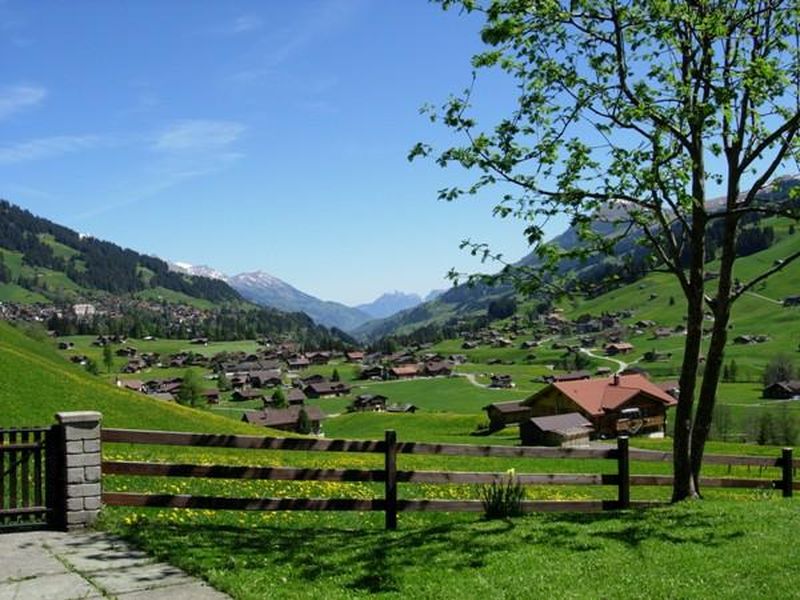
x: 623, y: 473
x: 80, y: 467
x: 786, y: 465
x: 390, y: 495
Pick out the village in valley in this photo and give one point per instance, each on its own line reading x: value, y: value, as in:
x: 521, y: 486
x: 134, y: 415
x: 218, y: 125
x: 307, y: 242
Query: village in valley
x: 573, y: 380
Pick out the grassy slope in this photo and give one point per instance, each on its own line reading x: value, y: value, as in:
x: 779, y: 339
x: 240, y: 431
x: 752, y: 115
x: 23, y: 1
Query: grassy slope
x: 719, y: 549
x: 35, y: 383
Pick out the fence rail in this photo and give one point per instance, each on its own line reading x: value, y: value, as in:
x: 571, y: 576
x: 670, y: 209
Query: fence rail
x: 390, y: 476
x: 23, y: 499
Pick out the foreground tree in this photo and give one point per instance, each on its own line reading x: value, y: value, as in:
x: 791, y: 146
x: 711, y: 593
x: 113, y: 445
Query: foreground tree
x: 626, y: 111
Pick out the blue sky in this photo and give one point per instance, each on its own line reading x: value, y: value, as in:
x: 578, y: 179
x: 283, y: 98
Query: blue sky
x: 247, y: 135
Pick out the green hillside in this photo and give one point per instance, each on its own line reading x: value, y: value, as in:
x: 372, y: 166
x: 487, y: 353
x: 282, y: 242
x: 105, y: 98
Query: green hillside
x: 35, y: 383
x: 658, y: 298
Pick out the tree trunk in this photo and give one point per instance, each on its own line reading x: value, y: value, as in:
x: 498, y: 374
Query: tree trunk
x: 683, y: 484
x: 719, y: 336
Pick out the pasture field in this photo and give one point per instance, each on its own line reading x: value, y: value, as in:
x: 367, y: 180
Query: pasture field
x: 719, y: 549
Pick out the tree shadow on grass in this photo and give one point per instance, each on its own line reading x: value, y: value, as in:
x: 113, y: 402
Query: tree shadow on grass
x: 368, y: 559
x: 588, y: 531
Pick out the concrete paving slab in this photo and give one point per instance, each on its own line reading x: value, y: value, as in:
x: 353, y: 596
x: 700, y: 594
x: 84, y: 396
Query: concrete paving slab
x: 188, y: 591
x: 84, y: 542
x: 88, y: 560
x: 138, y: 578
x: 49, y: 565
x: 26, y: 561
x: 62, y: 586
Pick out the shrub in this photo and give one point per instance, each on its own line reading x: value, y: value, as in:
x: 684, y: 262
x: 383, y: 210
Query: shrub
x: 502, y: 499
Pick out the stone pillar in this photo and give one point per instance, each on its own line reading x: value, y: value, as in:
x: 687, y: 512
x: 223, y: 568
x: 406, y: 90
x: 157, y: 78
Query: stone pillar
x: 80, y: 468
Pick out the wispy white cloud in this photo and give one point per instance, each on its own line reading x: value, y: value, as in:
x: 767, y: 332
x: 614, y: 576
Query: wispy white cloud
x: 46, y: 147
x: 239, y: 25
x: 245, y: 23
x: 184, y: 151
x: 19, y: 97
x: 198, y: 135
x: 273, y: 50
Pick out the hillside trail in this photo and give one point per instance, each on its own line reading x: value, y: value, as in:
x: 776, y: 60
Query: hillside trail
x: 622, y: 365
x: 473, y: 380
x: 760, y: 297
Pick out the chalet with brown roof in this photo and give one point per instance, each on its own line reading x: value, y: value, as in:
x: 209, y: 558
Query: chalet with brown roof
x: 615, y: 348
x: 285, y: 419
x: 326, y: 389
x: 782, y: 390
x: 369, y: 403
x: 319, y: 358
x: 506, y: 413
x: 355, y: 356
x: 570, y: 429
x: 373, y: 372
x: 298, y: 362
x: 161, y: 386
x: 439, y: 368
x: 249, y: 394
x: 403, y: 372
x: 501, y: 382
x: 260, y: 379
x: 305, y: 381
x: 134, y: 366
x: 135, y: 385
x: 211, y: 396
x: 295, y: 396
x: 608, y: 403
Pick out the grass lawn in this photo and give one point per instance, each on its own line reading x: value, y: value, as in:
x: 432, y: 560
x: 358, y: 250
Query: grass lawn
x: 707, y: 549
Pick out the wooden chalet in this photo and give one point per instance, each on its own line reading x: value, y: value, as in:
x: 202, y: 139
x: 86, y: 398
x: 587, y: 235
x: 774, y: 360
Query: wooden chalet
x: 319, y: 358
x: 134, y: 385
x: 211, y: 396
x: 570, y: 429
x: 298, y: 362
x: 249, y: 394
x: 506, y: 413
x: 354, y: 357
x: 438, y: 368
x: 501, y: 382
x: 615, y: 348
x: 369, y: 403
x: 285, y: 419
x: 404, y: 372
x: 373, y: 372
x: 295, y: 396
x: 326, y: 389
x: 782, y: 390
x: 260, y: 379
x: 613, y: 405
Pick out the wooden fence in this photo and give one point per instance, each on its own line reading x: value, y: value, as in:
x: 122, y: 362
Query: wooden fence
x: 23, y: 476
x: 391, y: 476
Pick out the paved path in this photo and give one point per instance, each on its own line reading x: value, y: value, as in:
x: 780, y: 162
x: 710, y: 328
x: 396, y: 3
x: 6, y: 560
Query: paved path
x: 47, y: 565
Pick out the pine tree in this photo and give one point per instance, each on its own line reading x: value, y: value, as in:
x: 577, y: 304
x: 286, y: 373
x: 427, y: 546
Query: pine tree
x: 303, y: 422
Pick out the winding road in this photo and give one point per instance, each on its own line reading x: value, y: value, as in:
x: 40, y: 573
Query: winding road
x: 622, y: 365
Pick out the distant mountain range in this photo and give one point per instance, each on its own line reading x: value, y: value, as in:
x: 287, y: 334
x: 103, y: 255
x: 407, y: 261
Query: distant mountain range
x: 267, y: 290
